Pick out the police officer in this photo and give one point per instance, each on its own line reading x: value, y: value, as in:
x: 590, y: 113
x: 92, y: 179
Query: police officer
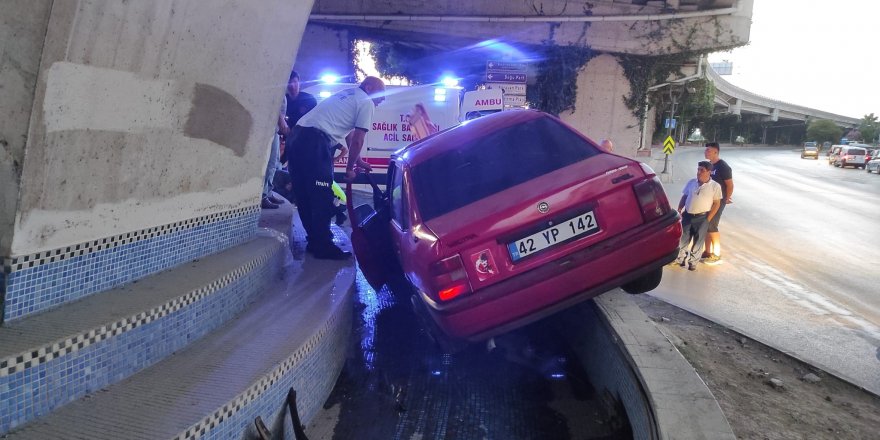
x: 343, y: 118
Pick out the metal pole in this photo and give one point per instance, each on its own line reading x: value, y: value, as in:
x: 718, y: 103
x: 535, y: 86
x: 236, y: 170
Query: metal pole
x: 669, y: 132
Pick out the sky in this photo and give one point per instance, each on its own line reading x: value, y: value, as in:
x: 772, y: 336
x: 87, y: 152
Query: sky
x: 818, y: 54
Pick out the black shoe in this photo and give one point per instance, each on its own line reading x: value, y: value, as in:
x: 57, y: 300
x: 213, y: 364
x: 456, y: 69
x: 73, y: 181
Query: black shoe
x: 266, y: 204
x: 331, y: 253
x: 692, y: 266
x: 340, y: 219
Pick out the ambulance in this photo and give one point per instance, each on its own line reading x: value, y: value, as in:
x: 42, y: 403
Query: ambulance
x: 391, y: 130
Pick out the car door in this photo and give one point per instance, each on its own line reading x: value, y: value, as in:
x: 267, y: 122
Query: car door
x: 400, y: 216
x: 373, y: 245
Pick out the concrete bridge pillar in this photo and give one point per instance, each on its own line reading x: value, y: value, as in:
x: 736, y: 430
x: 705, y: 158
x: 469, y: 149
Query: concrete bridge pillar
x: 599, y: 109
x: 736, y: 109
x: 134, y: 137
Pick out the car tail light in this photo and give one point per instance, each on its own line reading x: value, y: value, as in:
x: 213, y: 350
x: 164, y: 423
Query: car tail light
x: 652, y: 198
x: 449, y: 278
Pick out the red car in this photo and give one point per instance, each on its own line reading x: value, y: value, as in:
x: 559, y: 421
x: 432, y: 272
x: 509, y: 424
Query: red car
x: 511, y: 217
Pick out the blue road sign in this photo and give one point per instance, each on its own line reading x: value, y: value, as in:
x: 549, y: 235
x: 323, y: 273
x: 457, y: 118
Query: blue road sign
x: 506, y: 77
x: 506, y: 66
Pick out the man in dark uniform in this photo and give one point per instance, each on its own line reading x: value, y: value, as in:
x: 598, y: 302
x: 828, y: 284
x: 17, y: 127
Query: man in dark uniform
x: 723, y: 174
x: 343, y: 118
x: 298, y: 104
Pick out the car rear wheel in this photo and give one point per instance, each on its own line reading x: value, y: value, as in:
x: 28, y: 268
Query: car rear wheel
x: 433, y: 332
x: 646, y: 283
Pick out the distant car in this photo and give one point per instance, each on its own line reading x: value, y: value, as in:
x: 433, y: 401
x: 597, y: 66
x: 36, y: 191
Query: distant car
x: 874, y: 164
x: 853, y: 156
x: 511, y: 217
x: 811, y: 151
x: 833, y: 153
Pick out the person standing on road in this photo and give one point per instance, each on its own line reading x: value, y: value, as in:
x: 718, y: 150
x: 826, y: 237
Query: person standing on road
x: 607, y: 145
x: 700, y: 203
x: 343, y: 118
x: 723, y: 174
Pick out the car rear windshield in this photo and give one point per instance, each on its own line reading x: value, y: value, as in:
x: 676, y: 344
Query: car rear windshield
x: 810, y: 148
x: 495, y: 162
x: 855, y: 152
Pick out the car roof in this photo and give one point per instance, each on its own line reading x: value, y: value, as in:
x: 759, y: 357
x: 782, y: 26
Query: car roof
x: 454, y: 137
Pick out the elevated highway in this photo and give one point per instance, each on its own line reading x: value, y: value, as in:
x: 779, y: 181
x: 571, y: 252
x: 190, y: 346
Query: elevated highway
x: 735, y: 100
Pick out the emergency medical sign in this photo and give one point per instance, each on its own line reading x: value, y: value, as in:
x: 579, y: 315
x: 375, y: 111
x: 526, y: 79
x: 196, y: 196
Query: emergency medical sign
x: 390, y: 129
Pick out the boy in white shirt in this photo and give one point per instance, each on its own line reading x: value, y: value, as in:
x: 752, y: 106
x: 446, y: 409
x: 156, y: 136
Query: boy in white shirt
x: 700, y: 200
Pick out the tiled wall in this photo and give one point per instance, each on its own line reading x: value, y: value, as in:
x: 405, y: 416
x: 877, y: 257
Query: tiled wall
x: 311, y: 371
x: 37, y: 282
x: 34, y: 383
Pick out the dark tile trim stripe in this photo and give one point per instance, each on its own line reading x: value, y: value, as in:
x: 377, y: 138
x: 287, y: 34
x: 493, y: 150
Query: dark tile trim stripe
x: 36, y: 356
x: 16, y: 263
x: 261, y: 386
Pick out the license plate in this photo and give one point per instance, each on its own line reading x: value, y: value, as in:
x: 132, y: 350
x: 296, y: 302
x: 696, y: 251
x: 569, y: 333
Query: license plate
x: 578, y: 226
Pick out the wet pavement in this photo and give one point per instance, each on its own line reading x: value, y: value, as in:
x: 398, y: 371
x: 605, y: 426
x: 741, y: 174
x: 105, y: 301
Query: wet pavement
x: 800, y: 260
x: 398, y: 384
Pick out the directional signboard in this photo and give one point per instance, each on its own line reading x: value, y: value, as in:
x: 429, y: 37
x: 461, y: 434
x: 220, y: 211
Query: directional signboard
x: 509, y: 89
x: 505, y: 66
x: 514, y: 100
x: 506, y: 77
x: 668, y: 145
x: 510, y: 77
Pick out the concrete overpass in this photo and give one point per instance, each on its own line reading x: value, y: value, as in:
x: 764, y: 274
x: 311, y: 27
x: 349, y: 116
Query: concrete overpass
x: 738, y: 101
x: 629, y: 26
x: 612, y: 28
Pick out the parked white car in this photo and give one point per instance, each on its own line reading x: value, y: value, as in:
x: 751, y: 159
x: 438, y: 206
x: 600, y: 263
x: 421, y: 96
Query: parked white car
x: 874, y: 164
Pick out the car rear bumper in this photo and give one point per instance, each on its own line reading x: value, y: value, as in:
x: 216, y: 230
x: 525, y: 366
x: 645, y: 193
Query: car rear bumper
x: 560, y: 284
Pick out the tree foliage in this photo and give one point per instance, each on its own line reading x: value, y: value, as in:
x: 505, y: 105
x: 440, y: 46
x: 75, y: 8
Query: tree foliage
x: 556, y: 88
x: 869, y: 128
x: 823, y: 130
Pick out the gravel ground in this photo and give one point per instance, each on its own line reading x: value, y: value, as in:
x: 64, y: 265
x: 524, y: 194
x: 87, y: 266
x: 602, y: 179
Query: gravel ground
x: 764, y: 393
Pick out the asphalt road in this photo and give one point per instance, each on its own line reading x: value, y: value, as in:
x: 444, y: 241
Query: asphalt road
x: 801, y: 259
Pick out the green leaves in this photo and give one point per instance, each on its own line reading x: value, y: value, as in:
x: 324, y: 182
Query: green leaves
x: 556, y: 87
x: 822, y: 130
x: 869, y: 128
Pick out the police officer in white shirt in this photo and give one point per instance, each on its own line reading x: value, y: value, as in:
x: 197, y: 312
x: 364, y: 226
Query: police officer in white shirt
x: 343, y: 118
x: 700, y: 200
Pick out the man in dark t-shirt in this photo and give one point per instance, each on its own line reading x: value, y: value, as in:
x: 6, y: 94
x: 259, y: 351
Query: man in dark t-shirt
x: 298, y: 104
x: 723, y: 174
